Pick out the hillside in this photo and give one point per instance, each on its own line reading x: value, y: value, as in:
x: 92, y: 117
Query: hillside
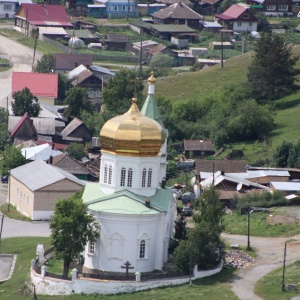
x: 192, y: 84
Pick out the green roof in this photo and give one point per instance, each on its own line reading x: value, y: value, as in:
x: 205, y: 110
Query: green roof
x: 150, y: 110
x: 125, y: 202
x: 81, y: 33
x: 173, y: 28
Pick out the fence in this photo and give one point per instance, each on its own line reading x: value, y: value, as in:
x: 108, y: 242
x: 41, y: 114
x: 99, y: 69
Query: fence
x: 144, y: 277
x: 130, y: 59
x: 58, y: 45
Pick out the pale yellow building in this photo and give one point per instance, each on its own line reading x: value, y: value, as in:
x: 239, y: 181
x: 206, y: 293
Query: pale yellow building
x: 34, y: 188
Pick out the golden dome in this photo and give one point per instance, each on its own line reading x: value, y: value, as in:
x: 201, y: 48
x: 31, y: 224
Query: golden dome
x: 132, y: 134
x: 152, y: 79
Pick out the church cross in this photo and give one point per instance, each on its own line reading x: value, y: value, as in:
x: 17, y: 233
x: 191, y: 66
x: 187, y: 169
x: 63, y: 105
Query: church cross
x: 127, y: 265
x: 135, y: 82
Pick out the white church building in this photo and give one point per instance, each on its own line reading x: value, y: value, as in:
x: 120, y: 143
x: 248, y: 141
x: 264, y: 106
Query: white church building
x: 131, y: 203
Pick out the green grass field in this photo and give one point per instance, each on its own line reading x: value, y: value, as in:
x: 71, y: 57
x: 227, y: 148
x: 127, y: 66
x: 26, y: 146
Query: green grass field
x: 210, y: 288
x: 238, y: 224
x: 269, y: 287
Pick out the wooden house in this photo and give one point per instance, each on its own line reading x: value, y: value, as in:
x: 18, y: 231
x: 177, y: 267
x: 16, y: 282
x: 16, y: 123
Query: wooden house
x: 238, y: 18
x: 120, y: 8
x: 84, y: 34
x: 116, y: 42
x: 278, y: 7
x: 169, y: 31
x: 71, y: 165
x: 67, y: 62
x: 197, y: 148
x: 177, y: 14
x: 76, y: 131
x: 30, y: 16
x: 24, y: 129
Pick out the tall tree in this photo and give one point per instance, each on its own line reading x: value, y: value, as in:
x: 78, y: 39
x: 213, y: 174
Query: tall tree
x: 77, y: 101
x: 25, y: 102
x: 119, y: 92
x: 4, y: 134
x: 11, y: 157
x: 72, y: 227
x: 282, y: 153
x: 46, y: 64
x: 161, y: 64
x: 76, y: 150
x: 272, y: 73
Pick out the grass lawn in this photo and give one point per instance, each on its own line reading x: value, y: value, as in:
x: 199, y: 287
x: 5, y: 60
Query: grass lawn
x: 211, y: 288
x: 261, y: 224
x: 269, y: 287
x: 13, y: 213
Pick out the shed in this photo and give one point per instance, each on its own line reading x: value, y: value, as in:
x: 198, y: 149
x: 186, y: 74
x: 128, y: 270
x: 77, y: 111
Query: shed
x: 197, y: 148
x: 116, y: 42
x: 219, y: 45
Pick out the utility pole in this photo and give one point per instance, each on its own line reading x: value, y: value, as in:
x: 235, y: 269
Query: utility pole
x: 141, y: 55
x: 283, y: 270
x: 248, y: 244
x: 1, y: 227
x: 222, y: 49
x: 35, y: 43
x: 190, y: 264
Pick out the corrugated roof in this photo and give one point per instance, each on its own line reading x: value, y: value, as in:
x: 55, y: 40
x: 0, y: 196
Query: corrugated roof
x: 177, y: 11
x: 145, y: 43
x: 118, y: 38
x: 207, y: 24
x: 75, y: 72
x: 106, y: 71
x: 158, y: 49
x: 52, y: 30
x: 125, y: 202
x: 40, y: 84
x: 44, y: 14
x: 82, y: 77
x: 38, y: 174
x: 70, y: 61
x: 42, y: 152
x: 199, y: 145
x: 81, y: 33
x: 286, y: 186
x: 69, y: 164
x: 234, y: 12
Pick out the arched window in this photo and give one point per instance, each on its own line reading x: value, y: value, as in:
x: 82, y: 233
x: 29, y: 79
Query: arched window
x: 142, y: 249
x: 149, y: 178
x: 129, y: 179
x: 144, y: 177
x: 109, y: 174
x: 105, y: 174
x: 123, y: 176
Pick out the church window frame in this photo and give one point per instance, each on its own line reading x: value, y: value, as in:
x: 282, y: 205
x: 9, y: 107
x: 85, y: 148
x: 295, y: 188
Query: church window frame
x: 144, y: 174
x: 142, y: 249
x: 129, y: 177
x: 91, y: 248
x: 123, y: 177
x: 105, y: 173
x: 149, y: 179
x: 116, y: 246
x: 109, y: 174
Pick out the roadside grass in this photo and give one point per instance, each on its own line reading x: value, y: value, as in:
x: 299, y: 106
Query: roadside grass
x: 13, y: 213
x: 4, y: 61
x: 269, y: 286
x: 210, y: 288
x: 238, y: 224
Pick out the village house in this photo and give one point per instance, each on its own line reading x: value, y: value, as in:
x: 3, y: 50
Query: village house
x: 67, y: 62
x: 197, y: 148
x: 44, y: 86
x: 177, y: 14
x: 34, y: 188
x: 31, y: 16
x: 120, y: 8
x: 238, y: 18
x: 9, y: 8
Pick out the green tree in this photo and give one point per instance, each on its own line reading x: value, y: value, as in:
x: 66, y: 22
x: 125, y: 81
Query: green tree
x: 4, y: 134
x: 72, y: 227
x: 94, y: 121
x: 225, y: 4
x: 281, y: 154
x: 25, y: 102
x: 171, y: 169
x: 180, y: 233
x: 211, y: 210
x: 77, y: 101
x: 11, y: 158
x: 272, y: 73
x: 63, y: 86
x: 119, y: 92
x: 161, y: 64
x: 76, y: 150
x: 46, y: 64
x: 203, y: 247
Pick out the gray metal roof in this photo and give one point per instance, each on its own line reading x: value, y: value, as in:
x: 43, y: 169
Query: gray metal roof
x: 38, y: 174
x: 41, y: 152
x: 286, y: 186
x: 102, y: 70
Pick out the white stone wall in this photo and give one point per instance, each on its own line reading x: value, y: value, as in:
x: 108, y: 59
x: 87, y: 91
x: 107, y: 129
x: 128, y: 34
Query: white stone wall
x: 52, y: 286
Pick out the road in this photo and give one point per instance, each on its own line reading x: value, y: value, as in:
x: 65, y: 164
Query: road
x: 21, y: 58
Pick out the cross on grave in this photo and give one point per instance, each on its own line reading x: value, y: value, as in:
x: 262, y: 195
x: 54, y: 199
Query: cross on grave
x: 127, y: 265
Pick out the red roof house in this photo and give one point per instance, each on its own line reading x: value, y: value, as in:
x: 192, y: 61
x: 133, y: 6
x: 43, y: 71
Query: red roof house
x: 238, y: 18
x: 25, y: 129
x: 30, y: 15
x: 43, y: 86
